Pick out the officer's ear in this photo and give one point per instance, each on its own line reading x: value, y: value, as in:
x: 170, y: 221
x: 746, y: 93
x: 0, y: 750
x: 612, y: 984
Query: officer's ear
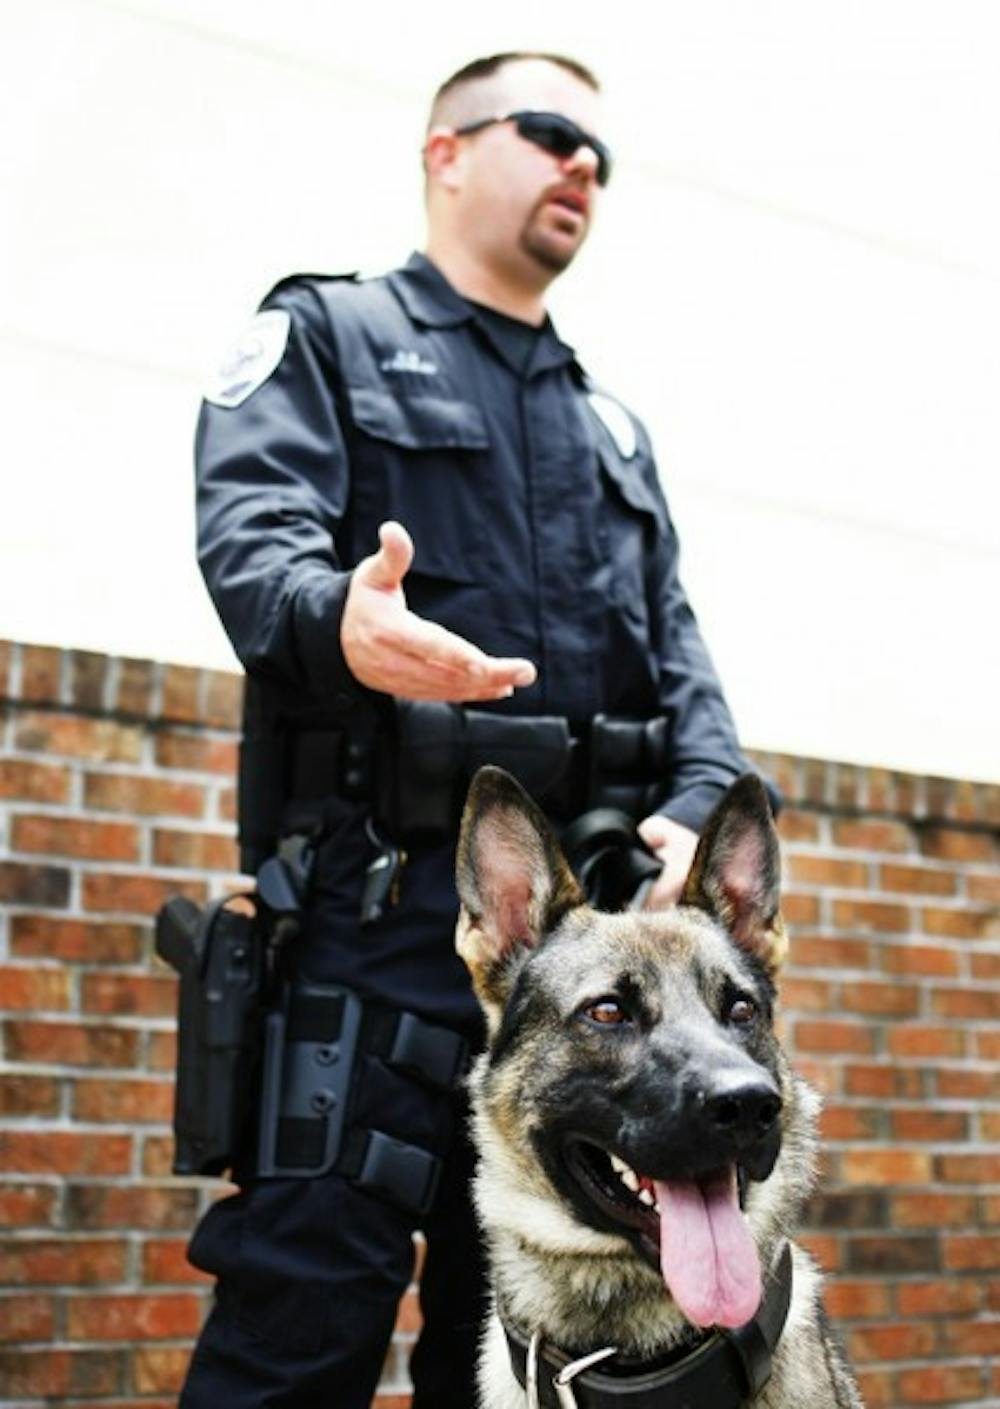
x: 443, y: 159
x: 513, y: 882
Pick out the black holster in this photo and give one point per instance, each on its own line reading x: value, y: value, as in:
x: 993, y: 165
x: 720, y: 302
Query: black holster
x: 220, y: 957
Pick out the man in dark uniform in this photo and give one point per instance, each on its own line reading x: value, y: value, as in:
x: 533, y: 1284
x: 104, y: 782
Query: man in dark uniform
x: 410, y: 490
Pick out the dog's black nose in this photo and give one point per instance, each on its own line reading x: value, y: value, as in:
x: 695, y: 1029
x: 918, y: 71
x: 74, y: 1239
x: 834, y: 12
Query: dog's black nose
x: 744, y: 1107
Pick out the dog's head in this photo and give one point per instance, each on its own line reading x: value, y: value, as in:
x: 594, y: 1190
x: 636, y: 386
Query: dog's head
x: 634, y: 1053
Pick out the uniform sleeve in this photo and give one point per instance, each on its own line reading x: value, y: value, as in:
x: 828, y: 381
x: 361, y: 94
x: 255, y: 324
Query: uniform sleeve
x: 272, y: 487
x: 706, y: 756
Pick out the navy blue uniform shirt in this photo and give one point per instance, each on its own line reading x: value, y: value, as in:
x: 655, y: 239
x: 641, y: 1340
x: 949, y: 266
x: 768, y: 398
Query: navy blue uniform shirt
x: 532, y: 499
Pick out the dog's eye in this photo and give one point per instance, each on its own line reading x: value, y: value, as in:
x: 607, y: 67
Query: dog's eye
x: 742, y: 1012
x: 607, y: 1012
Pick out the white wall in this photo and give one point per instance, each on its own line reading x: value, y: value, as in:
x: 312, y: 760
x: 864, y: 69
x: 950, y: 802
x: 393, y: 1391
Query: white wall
x: 794, y: 279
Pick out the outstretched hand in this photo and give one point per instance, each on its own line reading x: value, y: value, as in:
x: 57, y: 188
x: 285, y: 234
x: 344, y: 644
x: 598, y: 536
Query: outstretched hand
x: 389, y: 648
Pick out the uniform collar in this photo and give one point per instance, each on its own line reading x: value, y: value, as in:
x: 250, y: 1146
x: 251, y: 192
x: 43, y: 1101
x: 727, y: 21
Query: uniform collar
x: 428, y: 298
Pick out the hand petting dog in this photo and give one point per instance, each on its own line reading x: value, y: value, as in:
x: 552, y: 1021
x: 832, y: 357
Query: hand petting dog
x: 674, y: 845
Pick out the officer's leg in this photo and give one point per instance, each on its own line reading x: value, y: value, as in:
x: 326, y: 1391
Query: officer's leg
x: 310, y: 1273
x: 452, y: 1289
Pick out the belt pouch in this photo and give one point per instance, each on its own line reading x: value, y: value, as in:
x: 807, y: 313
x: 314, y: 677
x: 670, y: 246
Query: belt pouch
x: 428, y: 769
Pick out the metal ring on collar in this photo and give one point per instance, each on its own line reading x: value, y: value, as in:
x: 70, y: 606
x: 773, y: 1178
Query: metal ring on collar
x: 562, y: 1382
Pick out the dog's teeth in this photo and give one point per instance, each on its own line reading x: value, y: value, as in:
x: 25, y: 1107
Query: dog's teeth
x: 625, y: 1173
x: 646, y: 1197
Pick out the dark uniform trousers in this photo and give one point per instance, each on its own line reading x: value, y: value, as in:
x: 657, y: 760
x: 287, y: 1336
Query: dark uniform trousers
x: 310, y: 1271
x: 541, y: 531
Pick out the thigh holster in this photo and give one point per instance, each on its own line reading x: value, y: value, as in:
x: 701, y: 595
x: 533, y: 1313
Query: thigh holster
x: 312, y: 1047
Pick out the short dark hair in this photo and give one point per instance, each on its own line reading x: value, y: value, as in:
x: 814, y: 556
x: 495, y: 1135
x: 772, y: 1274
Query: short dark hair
x: 486, y: 68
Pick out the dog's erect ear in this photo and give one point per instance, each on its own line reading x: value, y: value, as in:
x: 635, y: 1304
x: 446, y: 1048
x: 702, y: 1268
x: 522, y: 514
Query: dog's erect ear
x: 513, y: 881
x: 736, y: 873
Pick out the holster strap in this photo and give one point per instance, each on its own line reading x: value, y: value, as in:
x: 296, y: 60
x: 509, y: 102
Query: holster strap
x: 380, y: 1164
x: 435, y: 1056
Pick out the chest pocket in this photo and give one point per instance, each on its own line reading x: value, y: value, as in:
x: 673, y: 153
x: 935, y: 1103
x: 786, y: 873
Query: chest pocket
x: 634, y: 519
x: 424, y: 461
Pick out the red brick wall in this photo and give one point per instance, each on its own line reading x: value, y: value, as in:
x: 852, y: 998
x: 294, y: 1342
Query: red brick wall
x: 116, y: 790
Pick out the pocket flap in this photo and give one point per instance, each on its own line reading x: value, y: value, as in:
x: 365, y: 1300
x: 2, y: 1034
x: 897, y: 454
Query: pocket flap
x: 419, y: 422
x: 628, y: 479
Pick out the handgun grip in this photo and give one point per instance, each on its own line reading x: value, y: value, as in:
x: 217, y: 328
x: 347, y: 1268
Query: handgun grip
x: 176, y: 931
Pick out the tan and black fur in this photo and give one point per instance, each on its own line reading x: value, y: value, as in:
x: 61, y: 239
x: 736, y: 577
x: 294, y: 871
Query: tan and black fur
x: 605, y: 1031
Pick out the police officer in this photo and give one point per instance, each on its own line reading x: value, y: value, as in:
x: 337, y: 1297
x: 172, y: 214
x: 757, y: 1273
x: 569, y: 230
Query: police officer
x: 410, y: 490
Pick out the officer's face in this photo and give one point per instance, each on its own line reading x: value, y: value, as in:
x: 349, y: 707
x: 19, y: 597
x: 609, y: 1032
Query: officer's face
x: 521, y: 203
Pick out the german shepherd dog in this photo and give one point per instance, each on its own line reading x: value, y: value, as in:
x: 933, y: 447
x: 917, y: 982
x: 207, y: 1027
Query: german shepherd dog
x: 644, y: 1146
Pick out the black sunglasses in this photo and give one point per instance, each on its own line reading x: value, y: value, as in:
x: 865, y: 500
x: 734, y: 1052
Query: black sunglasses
x: 553, y: 133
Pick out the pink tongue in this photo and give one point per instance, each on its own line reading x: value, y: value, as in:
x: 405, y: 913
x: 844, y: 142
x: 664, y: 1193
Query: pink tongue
x: 707, y: 1256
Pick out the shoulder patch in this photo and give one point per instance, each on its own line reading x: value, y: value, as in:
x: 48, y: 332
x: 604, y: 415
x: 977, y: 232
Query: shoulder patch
x: 251, y: 359
x: 617, y: 421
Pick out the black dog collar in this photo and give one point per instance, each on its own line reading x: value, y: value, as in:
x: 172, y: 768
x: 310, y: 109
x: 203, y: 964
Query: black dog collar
x: 725, y: 1370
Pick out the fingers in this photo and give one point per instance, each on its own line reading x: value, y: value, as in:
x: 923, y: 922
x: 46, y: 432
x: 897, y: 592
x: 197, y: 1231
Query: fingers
x: 655, y: 831
x: 444, y: 650
x: 430, y: 662
x: 665, y: 891
x: 674, y: 845
x: 387, y: 568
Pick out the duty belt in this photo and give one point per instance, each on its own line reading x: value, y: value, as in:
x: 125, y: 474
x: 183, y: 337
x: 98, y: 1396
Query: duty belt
x: 411, y: 765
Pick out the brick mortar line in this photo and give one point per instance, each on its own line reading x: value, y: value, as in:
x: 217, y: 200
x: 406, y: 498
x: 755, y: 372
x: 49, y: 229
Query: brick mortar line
x: 172, y: 1342
x: 964, y: 1064
x: 955, y: 1362
x: 111, y: 683
x: 890, y: 1022
x: 87, y: 865
x: 156, y: 1078
x: 915, y: 861
x: 71, y: 1236
x: 21, y: 910
x: 986, y: 1149
x: 147, y: 822
x: 139, y: 771
x: 65, y: 1018
x: 57, y: 1182
x: 152, y: 719
x: 27, y: 1125
x: 885, y: 939
x: 150, y: 731
x: 130, y: 767
x: 954, y: 1105
x: 115, y: 1231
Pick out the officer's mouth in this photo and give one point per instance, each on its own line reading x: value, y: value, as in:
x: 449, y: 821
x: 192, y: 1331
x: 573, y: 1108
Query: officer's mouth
x: 567, y: 221
x: 574, y: 202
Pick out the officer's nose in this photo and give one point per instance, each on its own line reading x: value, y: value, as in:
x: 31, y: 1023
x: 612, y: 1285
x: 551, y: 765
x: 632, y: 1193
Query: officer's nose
x: 583, y: 162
